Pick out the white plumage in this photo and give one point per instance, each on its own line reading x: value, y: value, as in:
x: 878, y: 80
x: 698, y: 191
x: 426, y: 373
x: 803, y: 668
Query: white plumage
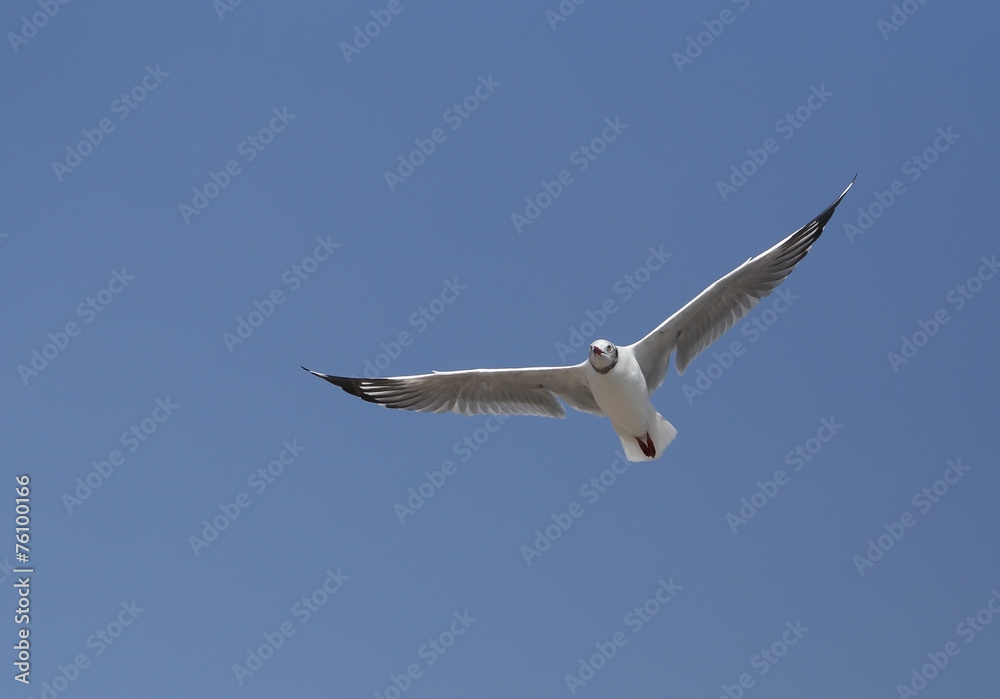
x: 614, y: 381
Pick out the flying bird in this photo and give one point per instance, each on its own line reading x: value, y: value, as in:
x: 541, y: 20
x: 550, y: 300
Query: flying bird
x: 614, y: 381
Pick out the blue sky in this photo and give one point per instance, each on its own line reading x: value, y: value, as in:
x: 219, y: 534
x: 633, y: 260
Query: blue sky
x: 199, y: 198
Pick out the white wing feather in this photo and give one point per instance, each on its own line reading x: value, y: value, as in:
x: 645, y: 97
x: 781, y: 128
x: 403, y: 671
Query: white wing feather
x: 723, y: 304
x: 529, y: 391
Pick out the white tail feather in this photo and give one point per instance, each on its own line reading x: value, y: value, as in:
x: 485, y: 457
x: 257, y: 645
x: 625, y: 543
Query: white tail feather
x: 661, y: 435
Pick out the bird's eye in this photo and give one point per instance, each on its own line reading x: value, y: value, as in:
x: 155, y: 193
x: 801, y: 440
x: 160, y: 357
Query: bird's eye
x: 609, y: 348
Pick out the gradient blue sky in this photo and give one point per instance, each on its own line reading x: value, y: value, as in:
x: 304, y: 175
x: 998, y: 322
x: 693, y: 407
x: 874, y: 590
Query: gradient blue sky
x: 173, y: 94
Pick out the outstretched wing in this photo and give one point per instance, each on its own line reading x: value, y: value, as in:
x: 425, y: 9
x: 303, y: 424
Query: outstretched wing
x: 530, y: 391
x: 719, y: 307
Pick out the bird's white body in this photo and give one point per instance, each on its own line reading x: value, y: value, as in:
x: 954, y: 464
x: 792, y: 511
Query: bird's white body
x: 623, y: 396
x: 614, y: 381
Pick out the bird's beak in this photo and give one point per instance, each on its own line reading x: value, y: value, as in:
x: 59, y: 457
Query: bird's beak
x: 596, y: 350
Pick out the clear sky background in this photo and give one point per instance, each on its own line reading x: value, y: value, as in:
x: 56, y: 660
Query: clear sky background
x: 229, y: 142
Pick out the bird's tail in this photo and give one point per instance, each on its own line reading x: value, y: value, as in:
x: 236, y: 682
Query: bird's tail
x: 661, y: 435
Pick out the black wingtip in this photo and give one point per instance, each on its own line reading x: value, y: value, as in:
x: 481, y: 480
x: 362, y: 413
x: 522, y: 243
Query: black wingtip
x: 827, y: 214
x: 849, y: 184
x: 797, y: 245
x: 348, y: 384
x: 846, y: 190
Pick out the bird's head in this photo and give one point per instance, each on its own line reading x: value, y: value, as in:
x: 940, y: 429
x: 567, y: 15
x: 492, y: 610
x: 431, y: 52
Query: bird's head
x: 603, y: 356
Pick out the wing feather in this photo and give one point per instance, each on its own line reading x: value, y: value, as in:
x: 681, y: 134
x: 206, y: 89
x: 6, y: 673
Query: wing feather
x: 718, y: 308
x: 531, y: 391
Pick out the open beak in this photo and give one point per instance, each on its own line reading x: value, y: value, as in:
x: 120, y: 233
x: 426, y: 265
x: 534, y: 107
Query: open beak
x: 596, y: 350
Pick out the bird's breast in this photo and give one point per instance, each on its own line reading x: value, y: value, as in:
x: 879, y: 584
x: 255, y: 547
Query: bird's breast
x: 622, y: 395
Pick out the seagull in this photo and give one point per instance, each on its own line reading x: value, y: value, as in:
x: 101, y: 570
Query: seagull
x: 614, y: 381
